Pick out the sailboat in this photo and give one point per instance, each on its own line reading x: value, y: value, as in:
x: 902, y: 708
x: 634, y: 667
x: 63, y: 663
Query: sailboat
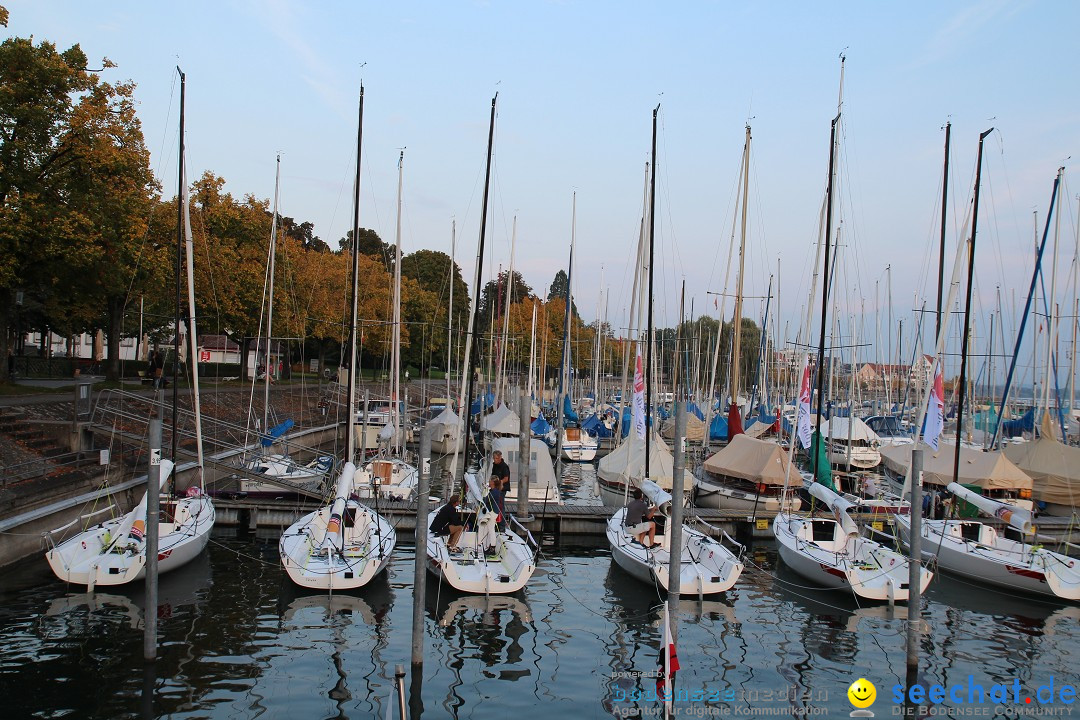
x: 707, y: 567
x: 444, y: 427
x: 971, y: 548
x: 114, y: 552
x: 277, y: 466
x: 573, y: 443
x: 389, y: 474
x: 830, y: 551
x: 493, y: 558
x: 977, y: 551
x: 345, y: 544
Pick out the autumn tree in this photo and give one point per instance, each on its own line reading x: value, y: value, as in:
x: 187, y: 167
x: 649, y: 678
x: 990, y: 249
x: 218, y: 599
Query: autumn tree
x: 433, y: 272
x: 111, y: 192
x: 38, y: 89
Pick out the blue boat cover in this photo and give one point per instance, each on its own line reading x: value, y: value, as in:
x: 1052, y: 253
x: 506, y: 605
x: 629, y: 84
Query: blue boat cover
x: 569, y: 416
x: 482, y: 403
x: 1015, y: 428
x: 540, y: 426
x: 276, y: 432
x: 718, y: 428
x: 694, y: 410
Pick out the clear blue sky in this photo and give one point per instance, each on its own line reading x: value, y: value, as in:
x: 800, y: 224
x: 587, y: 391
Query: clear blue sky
x: 577, y: 82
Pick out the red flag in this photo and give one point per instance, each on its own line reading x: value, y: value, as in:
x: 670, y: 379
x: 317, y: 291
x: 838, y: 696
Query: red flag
x: 734, y: 422
x: 667, y: 663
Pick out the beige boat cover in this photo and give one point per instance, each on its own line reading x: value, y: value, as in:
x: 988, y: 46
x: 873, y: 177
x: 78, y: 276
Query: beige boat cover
x: 987, y: 470
x: 1053, y: 466
x: 747, y: 458
x: 626, y: 463
x: 695, y: 429
x: 502, y: 421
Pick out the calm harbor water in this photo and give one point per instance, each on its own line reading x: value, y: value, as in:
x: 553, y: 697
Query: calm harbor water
x: 238, y: 640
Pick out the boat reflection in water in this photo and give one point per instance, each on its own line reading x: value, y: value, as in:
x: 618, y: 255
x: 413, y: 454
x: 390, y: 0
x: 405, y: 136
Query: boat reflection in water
x: 187, y: 585
x: 304, y: 612
x: 491, y: 629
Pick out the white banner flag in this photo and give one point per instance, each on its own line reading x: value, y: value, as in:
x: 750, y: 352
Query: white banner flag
x: 639, y: 399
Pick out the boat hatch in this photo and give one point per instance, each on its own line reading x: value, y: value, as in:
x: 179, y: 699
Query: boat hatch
x: 971, y: 531
x: 823, y: 530
x: 382, y: 470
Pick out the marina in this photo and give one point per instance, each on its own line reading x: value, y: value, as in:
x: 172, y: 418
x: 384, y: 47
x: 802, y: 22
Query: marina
x: 753, y: 447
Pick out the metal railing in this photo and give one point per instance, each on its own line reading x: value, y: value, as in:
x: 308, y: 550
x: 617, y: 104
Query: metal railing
x: 39, y: 467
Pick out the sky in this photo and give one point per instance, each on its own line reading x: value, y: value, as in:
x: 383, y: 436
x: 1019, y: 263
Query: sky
x: 577, y: 83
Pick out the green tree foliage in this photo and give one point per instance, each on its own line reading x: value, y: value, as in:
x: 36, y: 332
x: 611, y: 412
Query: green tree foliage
x: 431, y: 271
x: 370, y: 244
x: 558, y: 290
x: 304, y: 233
x: 497, y: 295
x: 698, y: 344
x: 71, y: 156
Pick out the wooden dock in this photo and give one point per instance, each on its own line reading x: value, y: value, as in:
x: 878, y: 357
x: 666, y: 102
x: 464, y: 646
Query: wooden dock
x: 564, y: 520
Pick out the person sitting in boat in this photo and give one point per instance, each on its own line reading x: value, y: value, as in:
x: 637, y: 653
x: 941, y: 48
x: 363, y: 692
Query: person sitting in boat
x: 639, y: 520
x: 448, y: 522
x: 496, y: 501
x: 501, y: 471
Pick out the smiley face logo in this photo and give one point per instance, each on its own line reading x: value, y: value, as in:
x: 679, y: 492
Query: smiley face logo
x: 862, y: 693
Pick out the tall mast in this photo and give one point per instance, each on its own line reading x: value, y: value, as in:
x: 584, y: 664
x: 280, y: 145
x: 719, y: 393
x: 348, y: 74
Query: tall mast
x: 270, y: 304
x: 564, y: 362
x: 350, y: 435
x: 450, y: 311
x: 179, y: 250
x: 395, y: 365
x: 736, y: 322
x: 471, y: 340
x: 944, y: 208
x: 1026, y: 311
x: 564, y: 376
x: 967, y: 308
x: 649, y: 327
x: 825, y: 293
x: 504, y: 355
x: 193, y: 335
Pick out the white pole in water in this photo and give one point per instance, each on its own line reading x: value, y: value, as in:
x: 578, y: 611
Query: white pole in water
x: 915, y: 562
x: 416, y: 703
x: 524, y: 458
x: 153, y: 497
x: 675, y: 529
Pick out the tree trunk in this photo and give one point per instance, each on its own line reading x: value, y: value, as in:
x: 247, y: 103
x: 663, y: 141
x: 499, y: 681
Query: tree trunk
x: 5, y: 336
x: 245, y: 344
x: 114, y: 333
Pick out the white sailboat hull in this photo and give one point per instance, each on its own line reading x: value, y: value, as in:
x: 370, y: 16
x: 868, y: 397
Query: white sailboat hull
x: 583, y: 450
x: 474, y: 571
x: 92, y: 558
x: 870, y: 570
x: 284, y: 468
x: 366, y: 546
x: 394, y: 479
x: 708, y: 568
x: 994, y: 559
x: 709, y: 493
x: 863, y: 458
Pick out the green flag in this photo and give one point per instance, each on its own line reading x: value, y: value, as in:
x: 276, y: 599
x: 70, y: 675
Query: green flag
x: 820, y: 459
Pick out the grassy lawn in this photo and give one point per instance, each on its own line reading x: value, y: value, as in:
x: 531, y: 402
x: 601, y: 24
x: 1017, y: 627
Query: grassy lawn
x: 10, y: 389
